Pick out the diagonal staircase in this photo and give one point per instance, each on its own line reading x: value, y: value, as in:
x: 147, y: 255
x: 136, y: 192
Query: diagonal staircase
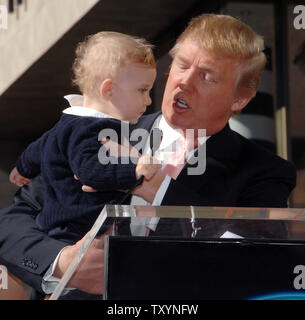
x: 33, y: 27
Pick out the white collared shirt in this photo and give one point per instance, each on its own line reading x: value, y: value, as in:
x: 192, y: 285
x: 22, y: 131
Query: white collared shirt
x: 76, y: 108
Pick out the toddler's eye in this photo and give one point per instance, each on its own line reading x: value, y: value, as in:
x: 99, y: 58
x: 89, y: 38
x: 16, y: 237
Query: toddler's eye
x: 143, y: 90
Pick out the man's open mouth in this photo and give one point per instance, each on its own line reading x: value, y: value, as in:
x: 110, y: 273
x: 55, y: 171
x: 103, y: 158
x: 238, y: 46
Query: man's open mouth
x: 182, y: 104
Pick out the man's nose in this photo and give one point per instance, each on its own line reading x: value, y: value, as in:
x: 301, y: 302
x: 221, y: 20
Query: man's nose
x: 187, y: 80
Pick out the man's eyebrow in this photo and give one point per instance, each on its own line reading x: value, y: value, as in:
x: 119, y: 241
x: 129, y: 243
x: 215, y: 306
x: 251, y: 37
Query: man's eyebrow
x: 207, y: 66
x: 182, y: 59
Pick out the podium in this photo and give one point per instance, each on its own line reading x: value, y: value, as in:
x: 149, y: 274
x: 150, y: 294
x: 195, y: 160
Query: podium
x: 182, y: 253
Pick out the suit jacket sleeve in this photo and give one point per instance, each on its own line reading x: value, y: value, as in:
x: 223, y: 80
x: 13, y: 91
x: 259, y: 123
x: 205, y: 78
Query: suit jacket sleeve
x: 268, y: 190
x: 26, y: 251
x: 271, y: 191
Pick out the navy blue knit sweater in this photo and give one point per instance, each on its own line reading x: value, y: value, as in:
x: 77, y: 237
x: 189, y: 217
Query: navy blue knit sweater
x: 71, y: 147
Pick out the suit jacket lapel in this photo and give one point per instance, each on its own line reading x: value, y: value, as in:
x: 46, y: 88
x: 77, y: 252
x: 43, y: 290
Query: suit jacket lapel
x: 222, y: 150
x: 224, y: 146
x: 146, y: 122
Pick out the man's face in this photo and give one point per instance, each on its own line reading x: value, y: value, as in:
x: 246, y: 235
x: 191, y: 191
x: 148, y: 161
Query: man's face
x: 131, y: 91
x: 200, y: 90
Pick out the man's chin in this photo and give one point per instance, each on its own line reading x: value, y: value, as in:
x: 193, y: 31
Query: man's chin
x: 176, y: 121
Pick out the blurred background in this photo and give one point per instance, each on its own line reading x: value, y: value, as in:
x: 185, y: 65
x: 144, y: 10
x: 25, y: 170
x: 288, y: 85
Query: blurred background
x: 37, y: 52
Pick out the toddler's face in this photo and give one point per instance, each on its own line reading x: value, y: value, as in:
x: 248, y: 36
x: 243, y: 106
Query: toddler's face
x: 131, y: 89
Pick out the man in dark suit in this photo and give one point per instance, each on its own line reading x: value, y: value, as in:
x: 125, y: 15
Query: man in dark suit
x: 217, y: 63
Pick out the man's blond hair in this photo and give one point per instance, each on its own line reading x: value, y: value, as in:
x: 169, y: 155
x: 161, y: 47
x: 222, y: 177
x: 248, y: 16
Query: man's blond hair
x: 101, y: 55
x: 227, y: 37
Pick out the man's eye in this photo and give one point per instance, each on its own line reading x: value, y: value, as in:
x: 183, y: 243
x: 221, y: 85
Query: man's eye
x: 208, y: 78
x: 179, y: 65
x: 182, y: 66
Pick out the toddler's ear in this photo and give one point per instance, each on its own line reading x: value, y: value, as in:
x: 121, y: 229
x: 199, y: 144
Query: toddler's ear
x: 106, y: 89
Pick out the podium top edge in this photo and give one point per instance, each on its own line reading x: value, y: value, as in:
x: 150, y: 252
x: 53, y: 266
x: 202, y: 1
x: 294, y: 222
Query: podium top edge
x: 196, y: 212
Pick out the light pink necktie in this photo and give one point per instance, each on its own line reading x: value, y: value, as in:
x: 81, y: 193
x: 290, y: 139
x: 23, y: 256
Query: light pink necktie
x: 177, y: 161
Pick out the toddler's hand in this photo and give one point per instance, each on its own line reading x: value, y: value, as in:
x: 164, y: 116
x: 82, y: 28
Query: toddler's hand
x: 17, y: 179
x: 147, y: 166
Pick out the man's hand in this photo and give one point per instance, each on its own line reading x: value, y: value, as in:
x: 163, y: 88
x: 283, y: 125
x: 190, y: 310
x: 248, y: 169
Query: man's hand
x: 18, y: 179
x: 120, y: 150
x: 148, y: 189
x: 147, y: 166
x: 86, y: 188
x: 89, y: 275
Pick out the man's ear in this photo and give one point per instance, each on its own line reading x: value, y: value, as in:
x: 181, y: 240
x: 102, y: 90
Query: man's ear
x: 242, y: 100
x: 106, y: 89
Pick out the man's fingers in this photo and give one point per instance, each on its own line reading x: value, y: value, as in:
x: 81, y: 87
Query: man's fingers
x: 120, y: 150
x: 104, y: 140
x: 149, y: 174
x: 86, y: 188
x: 99, y: 242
